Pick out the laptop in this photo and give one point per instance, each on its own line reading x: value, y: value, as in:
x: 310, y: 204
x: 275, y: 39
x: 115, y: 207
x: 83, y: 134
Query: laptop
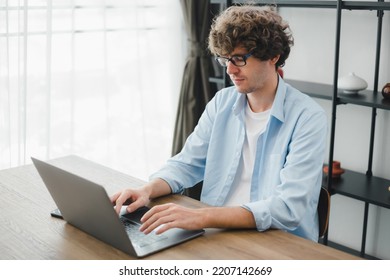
x: 86, y: 205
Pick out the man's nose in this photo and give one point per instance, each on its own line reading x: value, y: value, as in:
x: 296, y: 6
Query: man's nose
x: 231, y: 68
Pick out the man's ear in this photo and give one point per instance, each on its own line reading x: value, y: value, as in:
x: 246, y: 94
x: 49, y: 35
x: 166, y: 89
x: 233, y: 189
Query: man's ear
x: 275, y: 59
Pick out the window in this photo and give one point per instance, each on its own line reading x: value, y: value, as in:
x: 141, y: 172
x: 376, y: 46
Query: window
x: 98, y: 79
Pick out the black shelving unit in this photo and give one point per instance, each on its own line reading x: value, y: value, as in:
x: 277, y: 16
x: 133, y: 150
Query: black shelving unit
x: 367, y: 98
x: 364, y: 187
x: 356, y: 185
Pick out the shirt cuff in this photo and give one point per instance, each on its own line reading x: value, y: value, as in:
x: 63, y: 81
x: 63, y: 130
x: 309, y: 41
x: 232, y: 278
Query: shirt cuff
x: 261, y: 213
x: 174, y: 185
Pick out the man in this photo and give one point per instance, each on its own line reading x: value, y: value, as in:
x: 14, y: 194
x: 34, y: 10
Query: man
x: 258, y: 146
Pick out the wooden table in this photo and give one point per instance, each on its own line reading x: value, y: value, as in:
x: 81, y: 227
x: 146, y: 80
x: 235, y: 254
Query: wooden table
x: 28, y: 232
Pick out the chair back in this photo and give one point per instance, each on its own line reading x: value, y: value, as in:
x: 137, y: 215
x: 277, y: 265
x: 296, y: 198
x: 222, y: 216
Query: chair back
x: 323, y: 209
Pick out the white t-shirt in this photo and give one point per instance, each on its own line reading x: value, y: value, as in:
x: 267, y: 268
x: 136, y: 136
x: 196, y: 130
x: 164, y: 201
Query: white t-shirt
x: 255, y: 124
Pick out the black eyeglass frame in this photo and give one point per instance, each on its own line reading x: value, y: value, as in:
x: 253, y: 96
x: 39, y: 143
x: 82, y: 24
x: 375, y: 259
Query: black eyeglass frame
x: 231, y: 59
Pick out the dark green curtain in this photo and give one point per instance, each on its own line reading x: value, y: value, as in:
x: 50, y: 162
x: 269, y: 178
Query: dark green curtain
x: 195, y: 89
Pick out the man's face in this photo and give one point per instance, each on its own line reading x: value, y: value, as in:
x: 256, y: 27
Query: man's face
x: 254, y: 76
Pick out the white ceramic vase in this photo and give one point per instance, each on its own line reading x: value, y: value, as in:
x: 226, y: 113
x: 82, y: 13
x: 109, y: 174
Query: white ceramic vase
x: 351, y: 83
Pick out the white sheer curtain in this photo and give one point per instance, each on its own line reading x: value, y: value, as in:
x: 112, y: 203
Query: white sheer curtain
x: 99, y: 79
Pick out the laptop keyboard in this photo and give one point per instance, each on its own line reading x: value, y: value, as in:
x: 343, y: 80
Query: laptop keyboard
x: 137, y: 237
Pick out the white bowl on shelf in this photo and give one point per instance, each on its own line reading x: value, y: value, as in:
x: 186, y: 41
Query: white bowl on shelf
x: 351, y: 83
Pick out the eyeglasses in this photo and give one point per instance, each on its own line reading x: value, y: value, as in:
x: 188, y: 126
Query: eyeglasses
x: 237, y: 60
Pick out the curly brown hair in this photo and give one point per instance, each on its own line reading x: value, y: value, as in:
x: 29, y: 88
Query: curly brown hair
x: 258, y: 28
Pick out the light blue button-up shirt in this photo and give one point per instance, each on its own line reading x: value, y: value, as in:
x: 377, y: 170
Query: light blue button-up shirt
x: 287, y: 170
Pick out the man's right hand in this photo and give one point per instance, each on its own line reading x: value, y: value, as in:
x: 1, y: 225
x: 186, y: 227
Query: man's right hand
x: 135, y: 198
x: 138, y: 197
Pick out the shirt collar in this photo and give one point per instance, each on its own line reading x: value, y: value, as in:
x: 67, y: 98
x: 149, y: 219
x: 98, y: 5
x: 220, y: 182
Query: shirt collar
x: 240, y: 104
x: 277, y: 109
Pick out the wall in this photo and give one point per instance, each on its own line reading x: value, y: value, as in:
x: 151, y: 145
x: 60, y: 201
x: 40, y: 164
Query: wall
x: 312, y: 59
